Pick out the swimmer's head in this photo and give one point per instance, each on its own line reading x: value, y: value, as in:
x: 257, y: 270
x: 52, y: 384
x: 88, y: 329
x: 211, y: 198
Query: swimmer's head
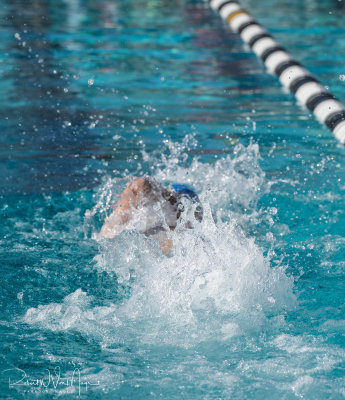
x: 184, y: 191
x: 148, y: 191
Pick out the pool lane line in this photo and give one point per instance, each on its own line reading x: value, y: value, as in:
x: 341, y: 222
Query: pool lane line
x: 292, y: 75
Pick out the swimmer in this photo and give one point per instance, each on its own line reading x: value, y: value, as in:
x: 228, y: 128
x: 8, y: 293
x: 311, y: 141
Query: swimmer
x: 156, y: 209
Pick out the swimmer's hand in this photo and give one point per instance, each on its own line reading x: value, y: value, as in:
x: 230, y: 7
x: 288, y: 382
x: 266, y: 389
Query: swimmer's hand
x: 112, y: 227
x: 166, y: 245
x: 115, y: 223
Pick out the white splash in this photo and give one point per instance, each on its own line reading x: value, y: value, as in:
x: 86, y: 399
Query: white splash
x: 216, y: 283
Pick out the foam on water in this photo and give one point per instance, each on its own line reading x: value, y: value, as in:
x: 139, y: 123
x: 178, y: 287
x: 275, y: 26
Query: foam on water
x: 215, y: 284
x: 209, y: 312
x: 216, y: 288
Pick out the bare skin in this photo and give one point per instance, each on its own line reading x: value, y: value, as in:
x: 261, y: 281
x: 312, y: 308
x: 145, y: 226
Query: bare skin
x: 142, y: 194
x: 139, y: 193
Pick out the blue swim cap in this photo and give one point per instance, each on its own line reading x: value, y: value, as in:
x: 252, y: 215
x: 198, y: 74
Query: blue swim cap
x: 183, y: 189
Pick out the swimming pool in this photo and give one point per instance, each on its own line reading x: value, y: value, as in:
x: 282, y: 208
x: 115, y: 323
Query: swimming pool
x: 251, y: 305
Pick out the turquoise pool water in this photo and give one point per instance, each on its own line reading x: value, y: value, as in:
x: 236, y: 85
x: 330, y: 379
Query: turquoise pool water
x: 250, y: 305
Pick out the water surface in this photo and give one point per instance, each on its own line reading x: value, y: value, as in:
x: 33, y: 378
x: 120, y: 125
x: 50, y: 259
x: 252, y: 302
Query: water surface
x: 251, y: 303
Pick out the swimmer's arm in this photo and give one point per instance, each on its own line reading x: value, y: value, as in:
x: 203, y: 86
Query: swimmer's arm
x: 166, y: 245
x: 113, y: 224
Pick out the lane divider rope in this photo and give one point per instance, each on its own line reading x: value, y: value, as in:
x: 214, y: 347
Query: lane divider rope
x: 292, y: 75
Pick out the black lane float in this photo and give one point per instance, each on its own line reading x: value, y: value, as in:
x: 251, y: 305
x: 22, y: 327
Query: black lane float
x: 306, y: 88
